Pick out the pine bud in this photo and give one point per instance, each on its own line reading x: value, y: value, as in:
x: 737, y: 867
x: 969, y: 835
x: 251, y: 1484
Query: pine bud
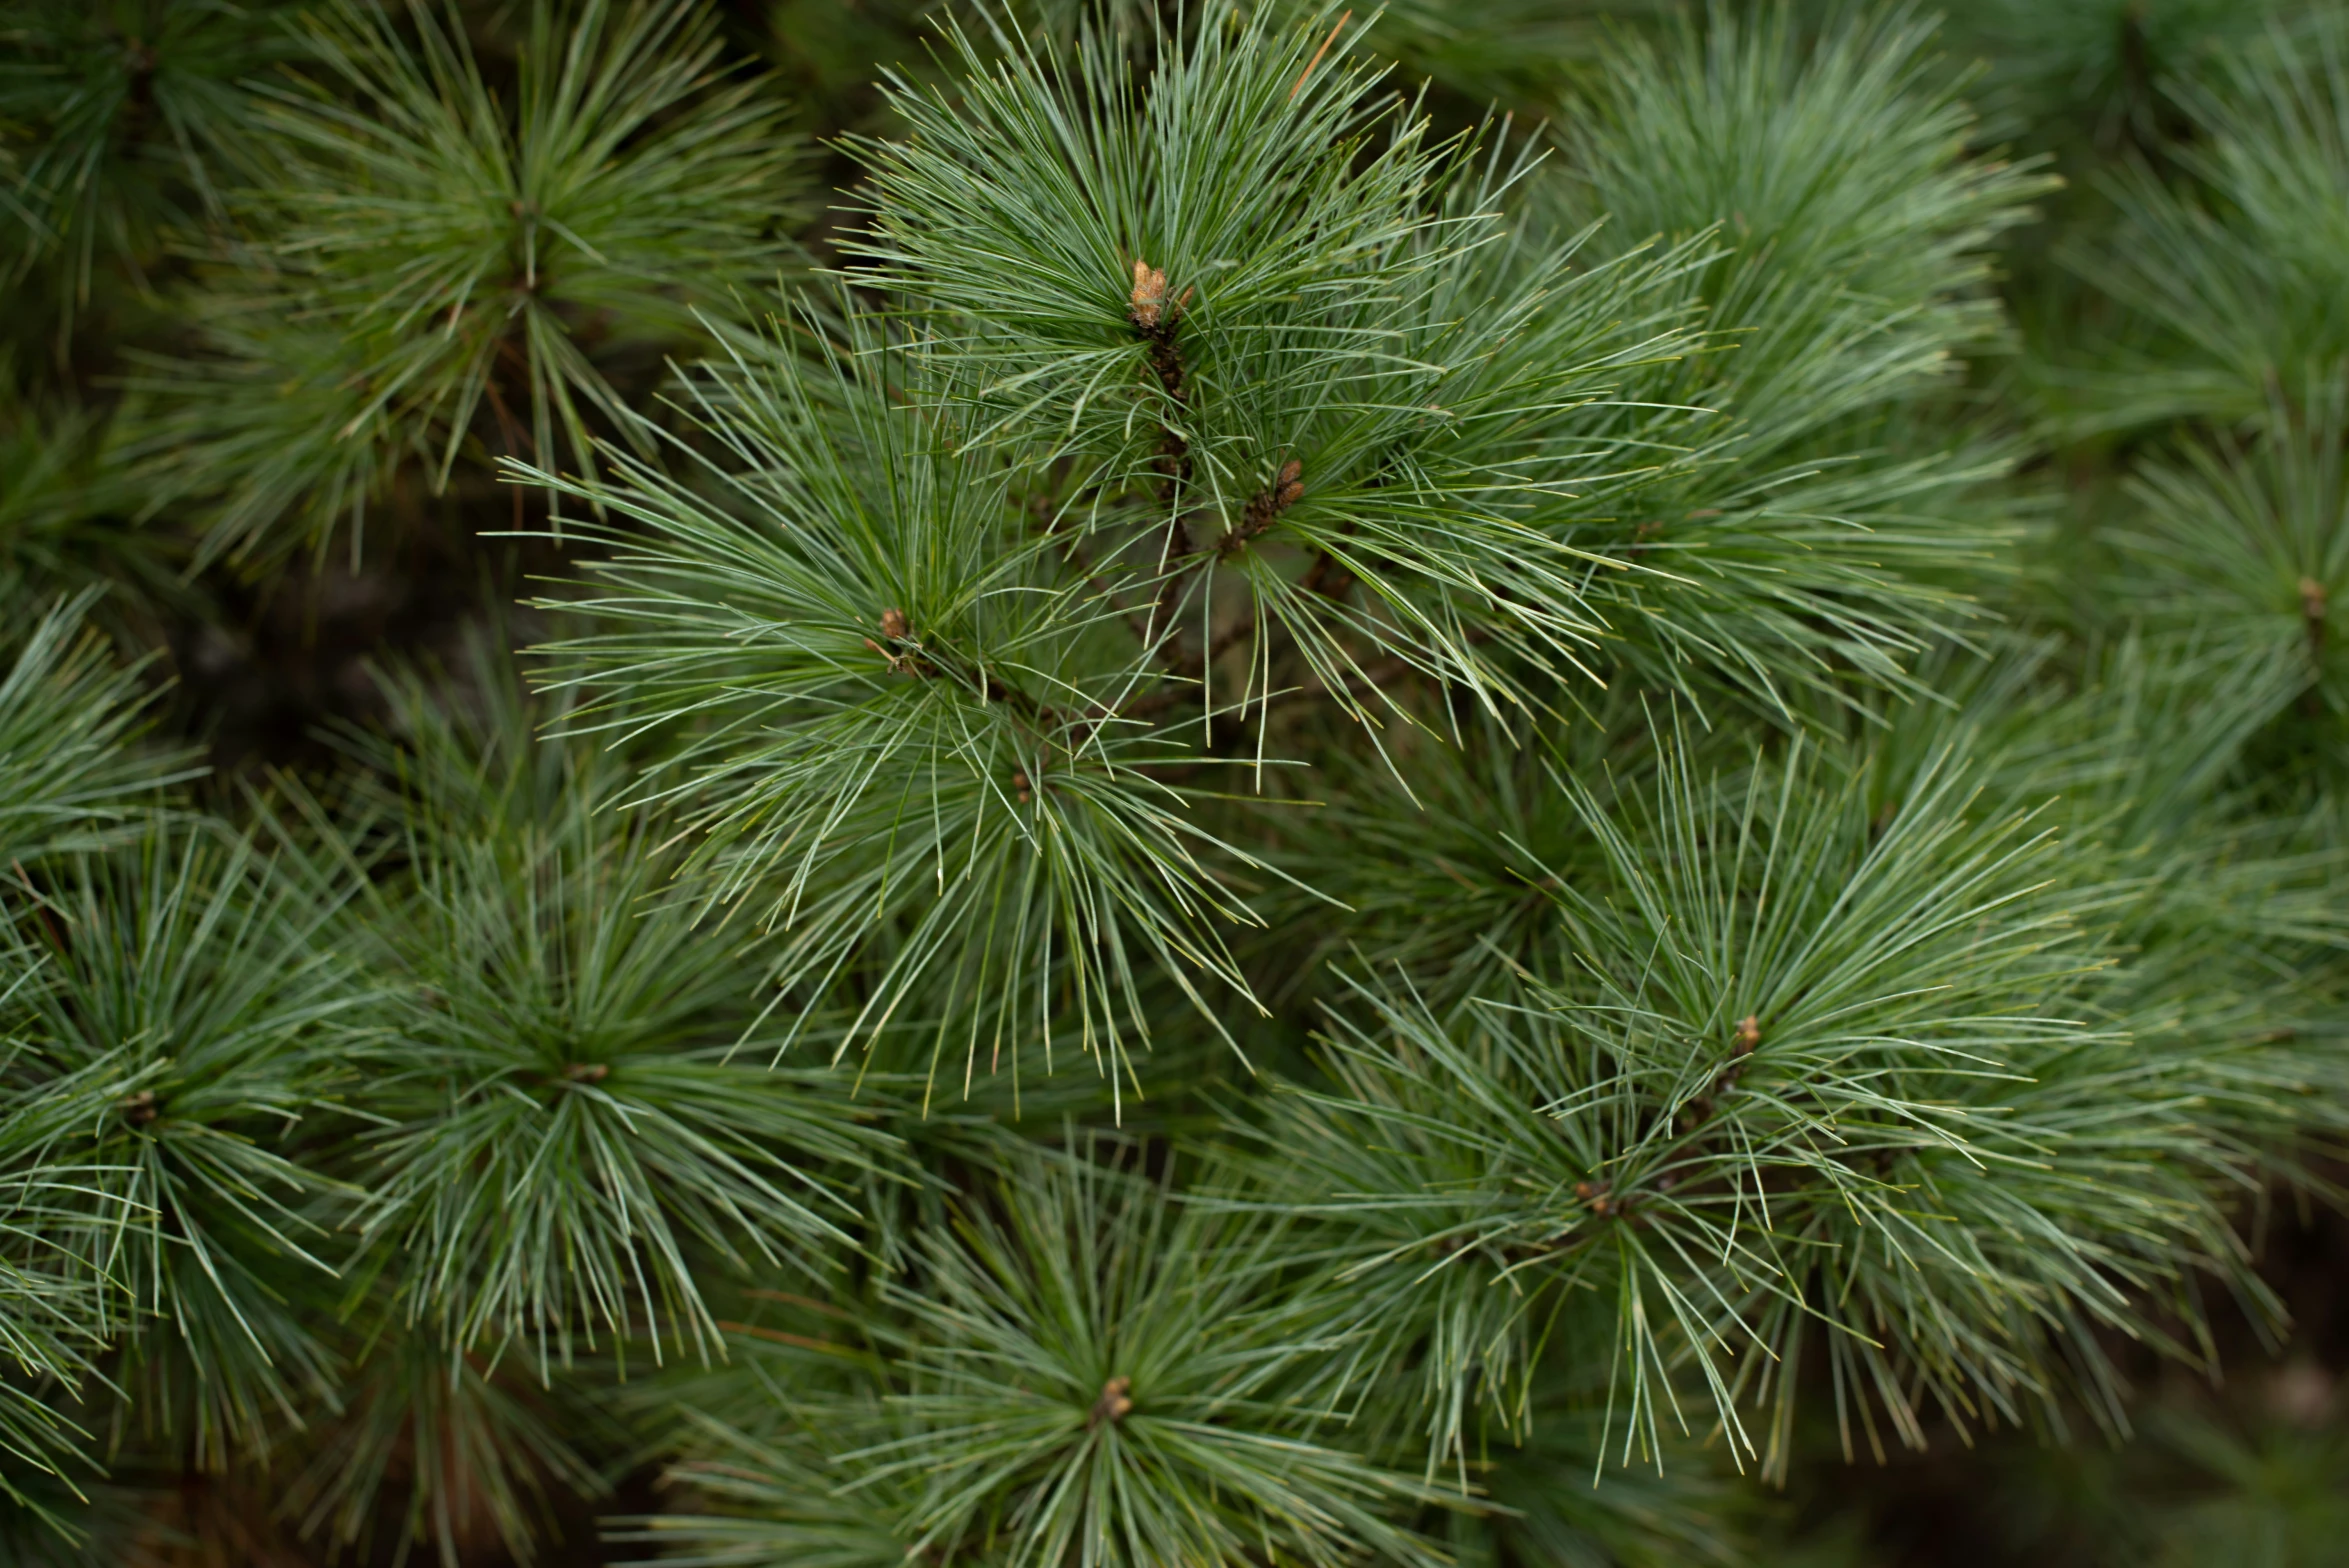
x: 1114, y: 1402
x: 893, y: 623
x: 1749, y: 1034
x: 1152, y: 310
x: 1289, y: 485
x: 1149, y: 296
x: 140, y: 1109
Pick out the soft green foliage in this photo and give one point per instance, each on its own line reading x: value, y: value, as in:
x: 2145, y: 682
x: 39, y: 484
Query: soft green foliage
x: 61, y: 500
x: 52, y: 1312
x: 1843, y: 172
x: 125, y: 117
x: 166, y: 1045
x: 1548, y: 1512
x: 1136, y: 441
x: 537, y: 243
x: 2235, y: 282
x: 427, y: 1448
x: 1516, y: 51
x: 1368, y: 431
x: 2097, y: 69
x: 1261, y: 821
x: 1722, y: 1098
x: 1848, y: 228
x: 965, y: 797
x: 1099, y: 1353
x: 2249, y: 540
x: 2277, y: 1491
x: 1092, y: 1372
x: 69, y: 774
x: 563, y: 1103
x: 70, y: 782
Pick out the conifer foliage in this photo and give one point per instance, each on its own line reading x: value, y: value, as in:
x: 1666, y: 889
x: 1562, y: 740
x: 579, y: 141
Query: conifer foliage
x: 1255, y: 817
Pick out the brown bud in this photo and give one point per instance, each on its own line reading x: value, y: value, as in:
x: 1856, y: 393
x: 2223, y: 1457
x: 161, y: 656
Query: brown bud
x: 140, y: 1107
x: 1749, y: 1034
x: 1115, y: 1401
x: 1288, y: 485
x: 587, y: 1072
x: 893, y: 623
x: 1149, y: 296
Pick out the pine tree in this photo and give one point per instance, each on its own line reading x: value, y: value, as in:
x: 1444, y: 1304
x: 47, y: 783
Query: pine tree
x: 1252, y: 817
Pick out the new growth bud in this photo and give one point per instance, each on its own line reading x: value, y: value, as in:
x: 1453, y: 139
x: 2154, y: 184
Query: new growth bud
x: 1113, y: 1404
x: 1152, y: 311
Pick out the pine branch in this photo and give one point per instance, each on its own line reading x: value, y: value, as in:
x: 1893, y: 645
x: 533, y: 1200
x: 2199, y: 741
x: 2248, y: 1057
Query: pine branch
x: 437, y: 262
x: 173, y: 1015
x: 912, y: 730
x: 1783, y: 1036
x: 1097, y: 1372
x: 72, y: 777
x: 2232, y: 285
x: 566, y: 1114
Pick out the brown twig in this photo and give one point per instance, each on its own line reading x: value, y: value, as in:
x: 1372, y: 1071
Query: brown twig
x: 1155, y: 317
x: 1265, y: 506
